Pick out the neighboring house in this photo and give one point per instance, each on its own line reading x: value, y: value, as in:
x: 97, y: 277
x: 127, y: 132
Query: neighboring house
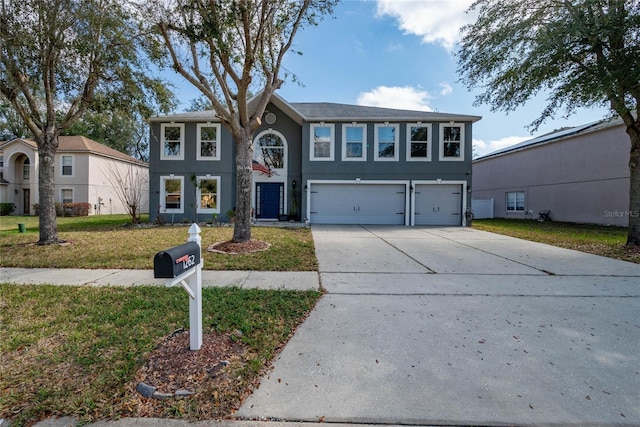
x: 84, y: 172
x: 580, y: 174
x: 321, y: 162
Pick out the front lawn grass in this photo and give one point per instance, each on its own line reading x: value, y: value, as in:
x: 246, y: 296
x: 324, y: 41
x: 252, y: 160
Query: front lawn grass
x: 109, y: 241
x: 73, y: 351
x: 595, y: 239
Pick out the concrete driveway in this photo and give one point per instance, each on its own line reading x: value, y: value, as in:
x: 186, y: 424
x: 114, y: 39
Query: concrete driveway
x: 454, y: 326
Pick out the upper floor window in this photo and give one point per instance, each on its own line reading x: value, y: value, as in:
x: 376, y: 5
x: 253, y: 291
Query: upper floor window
x: 515, y: 201
x: 386, y: 142
x: 270, y: 151
x: 322, y: 142
x: 451, y: 141
x: 354, y: 142
x: 172, y: 194
x: 208, y: 194
x: 67, y: 165
x: 172, y: 141
x: 418, y: 142
x: 208, y: 146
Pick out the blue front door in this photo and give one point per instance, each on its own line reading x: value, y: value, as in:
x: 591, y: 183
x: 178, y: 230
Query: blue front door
x: 269, y: 196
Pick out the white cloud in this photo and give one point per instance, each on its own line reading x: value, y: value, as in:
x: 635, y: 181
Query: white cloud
x: 446, y: 89
x: 486, y: 147
x: 435, y: 21
x: 403, y: 98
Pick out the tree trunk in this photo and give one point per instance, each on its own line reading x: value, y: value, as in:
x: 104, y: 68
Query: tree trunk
x: 244, y: 186
x: 633, y: 236
x: 46, y: 187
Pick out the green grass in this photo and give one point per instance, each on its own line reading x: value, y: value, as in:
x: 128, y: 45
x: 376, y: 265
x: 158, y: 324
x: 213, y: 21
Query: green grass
x: 74, y: 351
x: 109, y: 241
x: 596, y: 239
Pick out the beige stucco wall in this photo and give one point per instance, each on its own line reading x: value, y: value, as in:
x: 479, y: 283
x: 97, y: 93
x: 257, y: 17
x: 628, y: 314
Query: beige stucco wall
x: 582, y: 179
x: 103, y: 184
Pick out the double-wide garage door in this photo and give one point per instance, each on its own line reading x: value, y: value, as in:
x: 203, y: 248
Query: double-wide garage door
x: 358, y: 203
x: 385, y: 203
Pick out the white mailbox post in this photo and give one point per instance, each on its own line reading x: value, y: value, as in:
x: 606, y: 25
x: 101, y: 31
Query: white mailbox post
x: 182, y: 265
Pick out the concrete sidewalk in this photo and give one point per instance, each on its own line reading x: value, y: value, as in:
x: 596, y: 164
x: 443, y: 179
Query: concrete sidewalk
x: 294, y: 280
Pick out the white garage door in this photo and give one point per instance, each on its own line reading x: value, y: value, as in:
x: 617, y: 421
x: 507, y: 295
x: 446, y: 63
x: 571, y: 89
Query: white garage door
x: 357, y: 203
x: 438, y: 204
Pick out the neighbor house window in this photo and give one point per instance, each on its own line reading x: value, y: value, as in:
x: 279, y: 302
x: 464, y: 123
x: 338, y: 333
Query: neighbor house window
x: 515, y: 201
x: 67, y: 165
x: 208, y: 194
x: 172, y: 141
x: 208, y: 145
x: 25, y: 170
x: 354, y: 142
x: 451, y: 142
x: 418, y: 142
x: 386, y: 142
x: 322, y: 142
x: 172, y: 194
x: 66, y: 195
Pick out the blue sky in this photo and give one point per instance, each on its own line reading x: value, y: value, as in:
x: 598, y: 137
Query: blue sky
x: 400, y: 54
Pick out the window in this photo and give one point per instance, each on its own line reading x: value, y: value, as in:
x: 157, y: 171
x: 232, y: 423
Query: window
x: 208, y: 142
x: 172, y: 194
x: 67, y: 165
x: 386, y: 142
x: 66, y: 195
x: 208, y: 193
x: 515, y: 201
x: 451, y: 141
x: 322, y: 142
x: 418, y: 142
x: 25, y: 170
x: 172, y: 141
x: 354, y: 142
x: 270, y: 151
x: 1, y: 161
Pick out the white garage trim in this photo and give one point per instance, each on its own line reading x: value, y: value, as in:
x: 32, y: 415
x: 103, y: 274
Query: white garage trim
x: 310, y: 188
x: 438, y: 182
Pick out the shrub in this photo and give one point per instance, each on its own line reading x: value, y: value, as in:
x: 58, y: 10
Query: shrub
x: 7, y: 208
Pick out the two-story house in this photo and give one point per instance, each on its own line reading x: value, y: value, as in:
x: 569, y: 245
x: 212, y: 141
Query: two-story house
x: 85, y: 172
x: 321, y: 162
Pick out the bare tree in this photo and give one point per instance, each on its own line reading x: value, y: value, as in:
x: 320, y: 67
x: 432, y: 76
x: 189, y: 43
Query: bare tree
x: 129, y: 184
x: 229, y: 49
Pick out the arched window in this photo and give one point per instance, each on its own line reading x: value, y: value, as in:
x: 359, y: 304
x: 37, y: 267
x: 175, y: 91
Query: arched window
x: 270, y: 151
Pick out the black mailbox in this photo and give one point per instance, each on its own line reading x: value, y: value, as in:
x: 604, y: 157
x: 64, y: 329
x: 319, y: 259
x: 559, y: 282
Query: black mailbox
x: 174, y: 261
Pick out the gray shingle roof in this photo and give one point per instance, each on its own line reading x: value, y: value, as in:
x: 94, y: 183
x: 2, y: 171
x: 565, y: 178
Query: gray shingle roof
x: 328, y: 111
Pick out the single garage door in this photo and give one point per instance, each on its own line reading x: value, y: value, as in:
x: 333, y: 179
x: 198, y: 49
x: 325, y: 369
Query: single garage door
x: 357, y: 203
x: 438, y: 204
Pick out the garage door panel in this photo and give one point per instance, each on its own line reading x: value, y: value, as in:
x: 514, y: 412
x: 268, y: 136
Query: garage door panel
x: 438, y: 204
x: 357, y: 203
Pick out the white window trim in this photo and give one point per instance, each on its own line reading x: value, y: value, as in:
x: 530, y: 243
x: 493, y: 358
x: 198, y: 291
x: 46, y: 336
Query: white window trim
x: 163, y: 196
x: 199, y: 195
x: 515, y: 206
x: 199, y: 155
x: 441, y: 156
x: 332, y: 143
x: 162, y: 141
x: 363, y: 158
x: 429, y: 142
x: 62, y: 190
x: 73, y: 165
x: 396, y: 150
